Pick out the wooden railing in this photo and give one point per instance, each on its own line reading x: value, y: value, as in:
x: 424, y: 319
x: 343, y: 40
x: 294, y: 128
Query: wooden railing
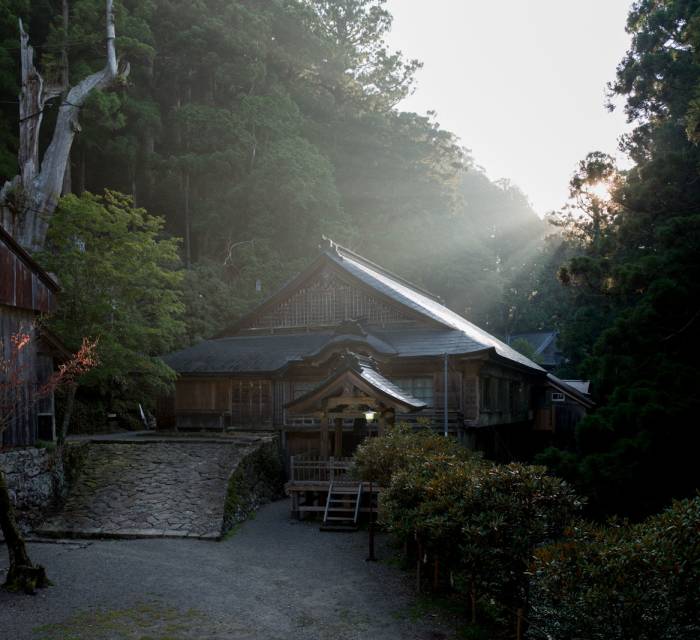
x: 306, y: 468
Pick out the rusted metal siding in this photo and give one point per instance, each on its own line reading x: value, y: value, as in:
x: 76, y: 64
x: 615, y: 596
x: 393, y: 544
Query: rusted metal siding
x: 22, y: 284
x: 22, y: 428
x: 26, y: 291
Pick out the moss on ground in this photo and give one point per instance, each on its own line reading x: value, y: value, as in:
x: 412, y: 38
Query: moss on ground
x: 144, y: 621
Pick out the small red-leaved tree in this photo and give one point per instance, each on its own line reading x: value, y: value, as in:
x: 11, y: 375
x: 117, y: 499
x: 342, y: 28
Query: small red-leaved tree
x: 15, y: 377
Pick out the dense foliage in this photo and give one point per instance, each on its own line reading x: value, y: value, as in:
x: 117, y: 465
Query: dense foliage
x: 255, y: 127
x: 628, y: 271
x: 478, y: 521
x: 122, y: 287
x: 615, y: 582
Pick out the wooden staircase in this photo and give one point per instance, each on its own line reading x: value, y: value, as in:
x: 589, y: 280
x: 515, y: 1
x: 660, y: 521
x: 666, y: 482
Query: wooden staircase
x: 342, y: 506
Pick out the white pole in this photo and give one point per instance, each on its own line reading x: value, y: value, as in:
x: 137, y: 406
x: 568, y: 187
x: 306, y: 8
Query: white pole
x: 445, y: 396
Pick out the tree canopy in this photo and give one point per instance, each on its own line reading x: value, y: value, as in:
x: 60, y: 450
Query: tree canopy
x: 121, y: 287
x: 631, y: 276
x: 253, y: 128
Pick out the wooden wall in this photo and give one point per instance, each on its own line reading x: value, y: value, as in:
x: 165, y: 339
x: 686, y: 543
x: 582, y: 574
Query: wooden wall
x: 219, y: 402
x: 25, y: 292
x: 21, y: 284
x: 21, y: 429
x: 326, y: 300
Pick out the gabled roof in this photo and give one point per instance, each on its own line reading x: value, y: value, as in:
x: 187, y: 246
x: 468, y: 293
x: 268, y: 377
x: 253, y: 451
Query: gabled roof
x: 412, y: 299
x: 571, y: 391
x: 423, y: 303
x: 363, y: 373
x: 538, y: 340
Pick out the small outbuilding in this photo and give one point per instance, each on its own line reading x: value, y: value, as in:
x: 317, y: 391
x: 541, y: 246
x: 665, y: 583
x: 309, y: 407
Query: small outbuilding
x: 27, y: 293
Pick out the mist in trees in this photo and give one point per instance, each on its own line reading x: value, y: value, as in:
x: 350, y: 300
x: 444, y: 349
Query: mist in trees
x: 255, y: 127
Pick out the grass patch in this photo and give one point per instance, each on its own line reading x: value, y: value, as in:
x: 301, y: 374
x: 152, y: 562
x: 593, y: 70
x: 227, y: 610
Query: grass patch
x: 144, y: 621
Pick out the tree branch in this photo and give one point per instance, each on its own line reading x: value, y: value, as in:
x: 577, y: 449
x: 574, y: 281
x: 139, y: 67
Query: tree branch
x: 41, y: 188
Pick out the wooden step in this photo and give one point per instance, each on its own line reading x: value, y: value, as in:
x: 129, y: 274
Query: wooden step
x: 343, y: 517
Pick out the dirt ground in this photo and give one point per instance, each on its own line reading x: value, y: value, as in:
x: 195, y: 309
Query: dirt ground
x: 274, y: 578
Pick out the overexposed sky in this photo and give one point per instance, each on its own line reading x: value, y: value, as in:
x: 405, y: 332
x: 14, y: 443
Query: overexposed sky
x: 521, y: 82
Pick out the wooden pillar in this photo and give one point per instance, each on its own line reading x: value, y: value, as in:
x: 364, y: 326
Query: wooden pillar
x: 338, y: 445
x: 324, y: 438
x: 381, y: 423
x: 389, y: 418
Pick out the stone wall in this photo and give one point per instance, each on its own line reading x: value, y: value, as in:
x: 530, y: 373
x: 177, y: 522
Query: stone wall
x: 259, y: 478
x: 38, y: 479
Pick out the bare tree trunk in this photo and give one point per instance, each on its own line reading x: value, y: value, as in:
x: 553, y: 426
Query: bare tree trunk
x: 82, y: 175
x: 34, y: 194
x: 22, y: 574
x: 65, y: 84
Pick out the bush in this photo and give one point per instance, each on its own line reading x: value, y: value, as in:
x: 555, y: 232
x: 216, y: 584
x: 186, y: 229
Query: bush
x: 479, y: 521
x: 608, y: 583
x: 378, y: 459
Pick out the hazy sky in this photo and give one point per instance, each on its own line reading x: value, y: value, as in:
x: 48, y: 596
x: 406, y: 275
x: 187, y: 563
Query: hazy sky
x: 521, y: 82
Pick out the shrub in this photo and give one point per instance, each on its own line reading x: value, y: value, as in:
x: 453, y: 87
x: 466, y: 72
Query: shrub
x: 378, y: 459
x: 608, y: 583
x: 479, y: 521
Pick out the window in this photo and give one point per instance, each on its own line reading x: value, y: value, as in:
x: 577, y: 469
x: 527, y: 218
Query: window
x: 503, y: 395
x: 420, y: 388
x: 557, y: 397
x: 487, y: 394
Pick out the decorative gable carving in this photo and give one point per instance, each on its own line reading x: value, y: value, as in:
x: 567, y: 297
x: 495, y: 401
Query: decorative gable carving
x: 327, y: 300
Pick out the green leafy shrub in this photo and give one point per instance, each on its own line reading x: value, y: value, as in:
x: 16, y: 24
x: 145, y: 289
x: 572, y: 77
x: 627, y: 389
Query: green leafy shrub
x: 608, y: 583
x: 121, y: 284
x: 403, y: 447
x: 478, y: 521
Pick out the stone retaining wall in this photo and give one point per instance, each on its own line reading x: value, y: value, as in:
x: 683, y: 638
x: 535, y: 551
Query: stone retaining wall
x: 258, y: 479
x: 168, y: 487
x: 38, y: 479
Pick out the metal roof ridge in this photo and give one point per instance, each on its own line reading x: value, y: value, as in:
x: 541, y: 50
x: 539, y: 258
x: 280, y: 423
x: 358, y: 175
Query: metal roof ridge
x: 339, y: 250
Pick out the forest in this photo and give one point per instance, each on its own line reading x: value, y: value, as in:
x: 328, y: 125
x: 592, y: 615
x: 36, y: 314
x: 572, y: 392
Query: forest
x: 246, y: 130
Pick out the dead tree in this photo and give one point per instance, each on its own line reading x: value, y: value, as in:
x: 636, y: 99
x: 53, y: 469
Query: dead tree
x: 29, y: 200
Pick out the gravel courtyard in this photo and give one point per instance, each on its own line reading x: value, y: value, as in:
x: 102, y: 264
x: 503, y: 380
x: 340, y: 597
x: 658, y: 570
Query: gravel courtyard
x: 272, y: 579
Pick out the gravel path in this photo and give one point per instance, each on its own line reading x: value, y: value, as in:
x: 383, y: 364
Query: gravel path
x: 273, y: 579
